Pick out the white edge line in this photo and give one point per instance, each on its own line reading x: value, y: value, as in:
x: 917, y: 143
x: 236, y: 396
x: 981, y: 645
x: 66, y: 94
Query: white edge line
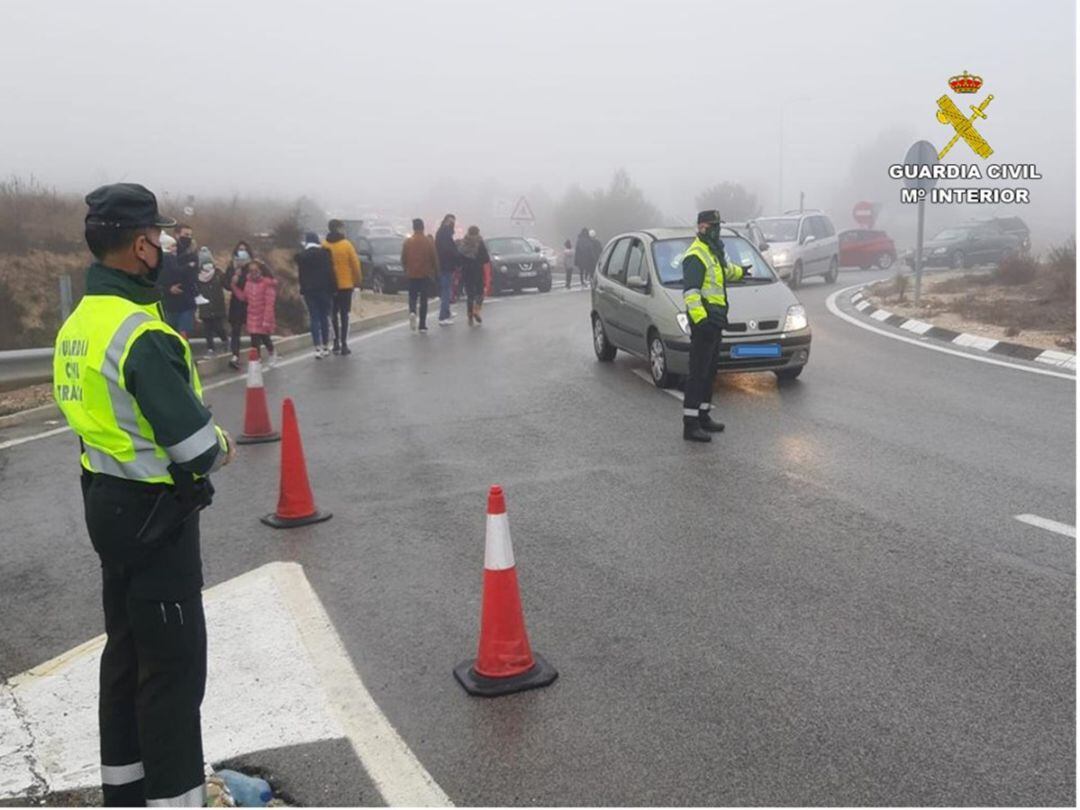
x: 638, y: 372
x: 830, y: 304
x: 1049, y: 525
x: 396, y: 772
x: 398, y: 775
x: 218, y: 384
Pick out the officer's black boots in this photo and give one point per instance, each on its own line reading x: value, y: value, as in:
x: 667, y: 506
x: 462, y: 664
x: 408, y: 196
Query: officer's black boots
x: 708, y: 424
x: 692, y: 430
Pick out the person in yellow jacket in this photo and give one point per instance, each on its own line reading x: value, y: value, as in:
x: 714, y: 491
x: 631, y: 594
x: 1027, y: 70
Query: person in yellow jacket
x: 348, y: 276
x: 706, y: 272
x: 126, y: 383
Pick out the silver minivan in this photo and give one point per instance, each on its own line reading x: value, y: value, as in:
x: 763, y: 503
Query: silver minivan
x: 802, y: 244
x: 637, y: 306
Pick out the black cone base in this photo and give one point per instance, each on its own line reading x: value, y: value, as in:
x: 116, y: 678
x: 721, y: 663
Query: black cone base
x: 269, y: 437
x: 541, y: 674
x: 292, y: 523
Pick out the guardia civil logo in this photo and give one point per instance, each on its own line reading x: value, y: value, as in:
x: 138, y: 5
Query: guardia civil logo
x: 950, y: 115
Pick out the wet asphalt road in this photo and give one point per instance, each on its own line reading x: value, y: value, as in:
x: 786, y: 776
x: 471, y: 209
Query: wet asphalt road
x: 831, y: 604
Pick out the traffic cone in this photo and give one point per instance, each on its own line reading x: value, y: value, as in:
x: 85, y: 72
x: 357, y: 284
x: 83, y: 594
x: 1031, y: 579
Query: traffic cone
x: 296, y: 506
x: 504, y: 662
x: 257, y: 427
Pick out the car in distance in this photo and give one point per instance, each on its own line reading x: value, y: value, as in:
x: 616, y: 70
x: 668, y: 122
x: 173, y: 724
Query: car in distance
x: 637, y: 307
x: 752, y: 231
x: 865, y: 248
x: 383, y: 272
x: 966, y: 245
x: 802, y: 244
x: 515, y: 265
x: 547, y: 252
x: 1013, y: 226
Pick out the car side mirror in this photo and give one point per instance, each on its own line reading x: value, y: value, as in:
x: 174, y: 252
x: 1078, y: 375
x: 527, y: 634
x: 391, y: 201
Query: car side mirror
x: 637, y: 283
x: 763, y: 246
x: 808, y: 239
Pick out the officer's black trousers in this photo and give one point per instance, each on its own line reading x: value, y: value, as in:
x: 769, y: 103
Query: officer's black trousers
x: 704, y: 354
x: 153, y: 668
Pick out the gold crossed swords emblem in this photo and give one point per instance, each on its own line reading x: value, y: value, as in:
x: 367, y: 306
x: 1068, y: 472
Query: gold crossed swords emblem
x: 949, y: 113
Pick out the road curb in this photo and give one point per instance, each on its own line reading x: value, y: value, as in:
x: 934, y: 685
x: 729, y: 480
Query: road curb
x: 1000, y: 348
x: 219, y: 366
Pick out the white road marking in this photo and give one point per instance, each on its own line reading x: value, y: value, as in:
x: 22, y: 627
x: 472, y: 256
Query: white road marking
x: 918, y: 327
x: 975, y: 342
x: 643, y: 374
x: 1049, y: 525
x: 863, y: 304
x: 831, y: 305
x: 306, y: 691
x: 880, y: 314
x: 230, y: 380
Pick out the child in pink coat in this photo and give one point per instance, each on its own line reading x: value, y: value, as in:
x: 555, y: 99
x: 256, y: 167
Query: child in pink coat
x: 260, y: 294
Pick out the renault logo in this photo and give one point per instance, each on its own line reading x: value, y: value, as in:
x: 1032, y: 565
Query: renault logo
x: 752, y: 325
x: 526, y: 265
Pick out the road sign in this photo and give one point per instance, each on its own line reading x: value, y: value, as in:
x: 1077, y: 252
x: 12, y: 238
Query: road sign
x: 921, y: 153
x: 522, y: 211
x: 864, y: 213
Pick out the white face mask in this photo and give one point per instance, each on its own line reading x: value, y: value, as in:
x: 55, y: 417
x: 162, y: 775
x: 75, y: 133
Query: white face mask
x: 243, y: 255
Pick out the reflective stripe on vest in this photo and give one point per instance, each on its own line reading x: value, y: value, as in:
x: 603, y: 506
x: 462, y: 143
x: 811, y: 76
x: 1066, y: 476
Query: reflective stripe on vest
x: 88, y: 384
x: 713, y: 289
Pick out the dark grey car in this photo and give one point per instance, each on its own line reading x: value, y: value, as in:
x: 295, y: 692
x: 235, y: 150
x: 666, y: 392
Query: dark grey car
x: 515, y: 265
x: 384, y: 274
x: 966, y: 246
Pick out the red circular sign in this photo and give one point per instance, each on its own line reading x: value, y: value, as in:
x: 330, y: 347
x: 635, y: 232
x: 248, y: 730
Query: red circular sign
x: 863, y: 213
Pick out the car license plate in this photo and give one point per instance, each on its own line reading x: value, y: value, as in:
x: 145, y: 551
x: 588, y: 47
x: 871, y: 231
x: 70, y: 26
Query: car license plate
x: 527, y: 273
x: 755, y: 350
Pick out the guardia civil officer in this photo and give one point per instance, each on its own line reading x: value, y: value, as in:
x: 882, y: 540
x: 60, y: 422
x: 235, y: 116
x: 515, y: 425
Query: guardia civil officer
x: 127, y: 385
x: 706, y: 272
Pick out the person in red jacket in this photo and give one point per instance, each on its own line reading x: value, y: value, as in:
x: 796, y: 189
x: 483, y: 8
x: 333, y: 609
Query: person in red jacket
x: 260, y: 295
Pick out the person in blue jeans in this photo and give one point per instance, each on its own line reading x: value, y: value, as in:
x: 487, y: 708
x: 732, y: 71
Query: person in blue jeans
x: 317, y: 285
x: 449, y: 261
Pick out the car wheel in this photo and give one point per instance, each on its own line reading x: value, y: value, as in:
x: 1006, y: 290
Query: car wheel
x: 658, y: 367
x: 605, y: 352
x: 834, y: 272
x: 378, y: 284
x: 796, y: 276
x: 544, y: 285
x: 958, y: 262
x: 788, y: 374
x: 885, y: 260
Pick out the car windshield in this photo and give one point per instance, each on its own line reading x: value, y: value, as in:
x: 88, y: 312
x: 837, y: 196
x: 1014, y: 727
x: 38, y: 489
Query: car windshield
x: 512, y: 245
x: 951, y: 234
x: 668, y: 255
x: 386, y: 245
x: 779, y: 230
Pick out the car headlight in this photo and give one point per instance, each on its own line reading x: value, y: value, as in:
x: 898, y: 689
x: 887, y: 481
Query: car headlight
x: 502, y: 268
x: 938, y: 251
x: 796, y: 318
x: 543, y: 265
x: 780, y: 257
x: 683, y: 321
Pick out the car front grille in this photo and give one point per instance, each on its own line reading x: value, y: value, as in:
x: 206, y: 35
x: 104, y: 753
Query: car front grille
x: 762, y: 326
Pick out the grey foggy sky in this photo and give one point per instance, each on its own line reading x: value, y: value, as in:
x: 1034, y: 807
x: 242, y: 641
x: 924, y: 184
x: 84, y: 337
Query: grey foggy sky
x: 371, y: 103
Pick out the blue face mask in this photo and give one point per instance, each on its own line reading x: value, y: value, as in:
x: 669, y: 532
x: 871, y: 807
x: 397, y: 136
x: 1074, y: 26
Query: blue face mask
x: 242, y: 255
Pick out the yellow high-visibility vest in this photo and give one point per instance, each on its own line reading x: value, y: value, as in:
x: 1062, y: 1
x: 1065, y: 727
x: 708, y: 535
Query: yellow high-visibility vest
x: 713, y: 290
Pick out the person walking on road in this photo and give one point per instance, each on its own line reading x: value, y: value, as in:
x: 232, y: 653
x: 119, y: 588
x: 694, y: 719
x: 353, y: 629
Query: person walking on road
x: 586, y: 254
x: 315, y: 269
x: 449, y: 262
x: 260, y: 294
x: 127, y: 385
x: 211, y: 287
x: 706, y: 272
x: 419, y: 260
x: 235, y: 279
x: 348, y: 275
x: 568, y: 262
x: 474, y: 255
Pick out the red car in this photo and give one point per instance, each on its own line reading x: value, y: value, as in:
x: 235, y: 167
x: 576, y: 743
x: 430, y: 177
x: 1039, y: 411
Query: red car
x: 864, y: 248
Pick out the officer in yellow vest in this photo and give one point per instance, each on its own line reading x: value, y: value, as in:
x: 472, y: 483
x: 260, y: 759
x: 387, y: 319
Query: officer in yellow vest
x: 706, y: 272
x: 127, y: 385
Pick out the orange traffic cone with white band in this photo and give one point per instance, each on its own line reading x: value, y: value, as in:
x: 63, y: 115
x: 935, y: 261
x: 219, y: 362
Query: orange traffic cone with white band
x: 257, y: 427
x: 504, y: 662
x: 296, y: 506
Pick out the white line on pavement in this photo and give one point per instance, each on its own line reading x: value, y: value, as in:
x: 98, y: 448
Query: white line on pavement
x: 1049, y: 525
x: 830, y: 303
x: 639, y: 372
x: 307, y: 691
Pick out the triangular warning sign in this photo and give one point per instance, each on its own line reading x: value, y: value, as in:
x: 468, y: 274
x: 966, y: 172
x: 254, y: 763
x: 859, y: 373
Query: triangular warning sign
x: 522, y: 211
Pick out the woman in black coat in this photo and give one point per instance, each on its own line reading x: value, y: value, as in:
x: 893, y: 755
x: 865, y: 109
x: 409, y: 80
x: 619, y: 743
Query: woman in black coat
x: 474, y: 255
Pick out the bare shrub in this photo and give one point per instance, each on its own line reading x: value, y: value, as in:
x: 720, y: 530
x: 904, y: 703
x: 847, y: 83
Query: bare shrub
x: 1016, y: 269
x: 1061, y: 261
